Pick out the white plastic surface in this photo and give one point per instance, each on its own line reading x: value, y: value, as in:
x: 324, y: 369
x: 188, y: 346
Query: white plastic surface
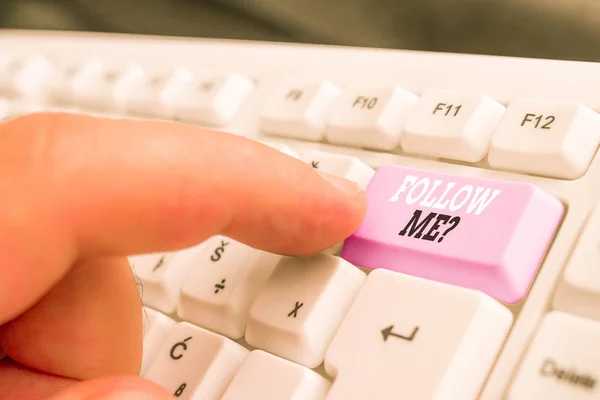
x: 406, y: 337
x: 297, y: 313
x: 157, y: 327
x: 196, y: 364
x: 298, y: 109
x: 452, y: 125
x: 351, y: 168
x: 213, y: 100
x: 546, y: 138
x: 370, y: 116
x: 162, y: 275
x: 218, y: 291
x: 563, y: 361
x: 264, y: 376
x: 579, y: 290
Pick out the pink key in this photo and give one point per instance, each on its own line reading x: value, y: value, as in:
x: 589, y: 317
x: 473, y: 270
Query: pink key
x: 483, y: 234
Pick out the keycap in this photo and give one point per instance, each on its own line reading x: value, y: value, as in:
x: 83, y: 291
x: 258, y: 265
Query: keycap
x: 195, y: 363
x: 6, y: 79
x: 162, y: 275
x: 21, y: 108
x: 551, y: 139
x: 562, y: 362
x: 341, y: 165
x: 27, y: 77
x: 158, y: 95
x: 370, y: 116
x: 132, y: 79
x: 158, y: 290
x: 486, y: 234
x: 157, y: 327
x: 282, y: 148
x: 59, y: 88
x: 452, y: 125
x: 17, y: 108
x: 299, y: 109
x: 5, y: 109
x: 298, y: 311
x: 218, y: 291
x: 92, y: 85
x: 6, y: 61
x: 98, y: 86
x: 579, y: 291
x: 264, y: 376
x: 9, y: 66
x: 409, y: 338
x: 213, y: 101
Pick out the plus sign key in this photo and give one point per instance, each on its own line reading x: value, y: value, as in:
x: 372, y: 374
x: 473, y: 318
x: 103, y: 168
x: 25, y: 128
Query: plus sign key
x: 347, y: 167
x: 485, y: 234
x: 220, y: 288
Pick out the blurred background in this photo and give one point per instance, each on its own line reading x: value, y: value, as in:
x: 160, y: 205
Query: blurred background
x: 563, y: 29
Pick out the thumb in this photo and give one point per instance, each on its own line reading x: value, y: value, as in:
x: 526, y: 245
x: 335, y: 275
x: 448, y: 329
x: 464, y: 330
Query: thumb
x: 122, y: 388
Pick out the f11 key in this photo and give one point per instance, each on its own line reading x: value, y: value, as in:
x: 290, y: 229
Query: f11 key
x: 485, y: 234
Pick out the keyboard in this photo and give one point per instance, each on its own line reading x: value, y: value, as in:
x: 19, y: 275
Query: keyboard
x: 474, y: 274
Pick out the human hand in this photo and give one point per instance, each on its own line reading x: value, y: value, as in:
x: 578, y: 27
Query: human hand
x: 78, y: 194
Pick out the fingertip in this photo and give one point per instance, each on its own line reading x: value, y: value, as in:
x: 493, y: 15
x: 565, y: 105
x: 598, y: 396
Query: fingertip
x: 130, y: 187
x: 336, y: 216
x: 321, y: 217
x: 347, y: 187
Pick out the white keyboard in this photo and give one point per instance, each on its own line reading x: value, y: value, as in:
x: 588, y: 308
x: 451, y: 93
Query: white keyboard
x: 489, y: 286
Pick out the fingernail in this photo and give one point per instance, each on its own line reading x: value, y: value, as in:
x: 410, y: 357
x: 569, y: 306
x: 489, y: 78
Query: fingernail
x: 349, y: 188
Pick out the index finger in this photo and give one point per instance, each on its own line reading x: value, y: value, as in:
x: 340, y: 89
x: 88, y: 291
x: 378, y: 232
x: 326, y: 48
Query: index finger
x: 76, y: 186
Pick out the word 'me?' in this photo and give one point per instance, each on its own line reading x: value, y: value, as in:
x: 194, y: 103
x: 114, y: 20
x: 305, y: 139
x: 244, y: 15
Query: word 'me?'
x: 448, y: 196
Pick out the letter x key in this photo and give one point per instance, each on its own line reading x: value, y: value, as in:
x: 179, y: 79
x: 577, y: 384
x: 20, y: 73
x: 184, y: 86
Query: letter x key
x: 294, y: 312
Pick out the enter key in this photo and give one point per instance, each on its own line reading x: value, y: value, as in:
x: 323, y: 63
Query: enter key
x: 485, y: 234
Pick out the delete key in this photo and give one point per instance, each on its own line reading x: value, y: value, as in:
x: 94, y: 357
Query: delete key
x: 485, y: 234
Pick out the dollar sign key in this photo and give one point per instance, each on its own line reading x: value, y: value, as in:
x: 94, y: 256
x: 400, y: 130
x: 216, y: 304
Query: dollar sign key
x: 216, y: 256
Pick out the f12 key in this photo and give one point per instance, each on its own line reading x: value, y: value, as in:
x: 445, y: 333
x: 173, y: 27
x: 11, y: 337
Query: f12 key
x: 485, y: 234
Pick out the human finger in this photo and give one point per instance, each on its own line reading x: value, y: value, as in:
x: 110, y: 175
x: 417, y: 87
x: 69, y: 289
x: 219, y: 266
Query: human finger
x: 79, y: 186
x: 81, y: 189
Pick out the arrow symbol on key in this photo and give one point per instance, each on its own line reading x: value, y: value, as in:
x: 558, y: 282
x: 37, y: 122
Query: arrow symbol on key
x: 387, y: 332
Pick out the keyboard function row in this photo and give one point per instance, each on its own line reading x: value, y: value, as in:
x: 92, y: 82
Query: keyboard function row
x: 551, y: 139
x: 177, y: 93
